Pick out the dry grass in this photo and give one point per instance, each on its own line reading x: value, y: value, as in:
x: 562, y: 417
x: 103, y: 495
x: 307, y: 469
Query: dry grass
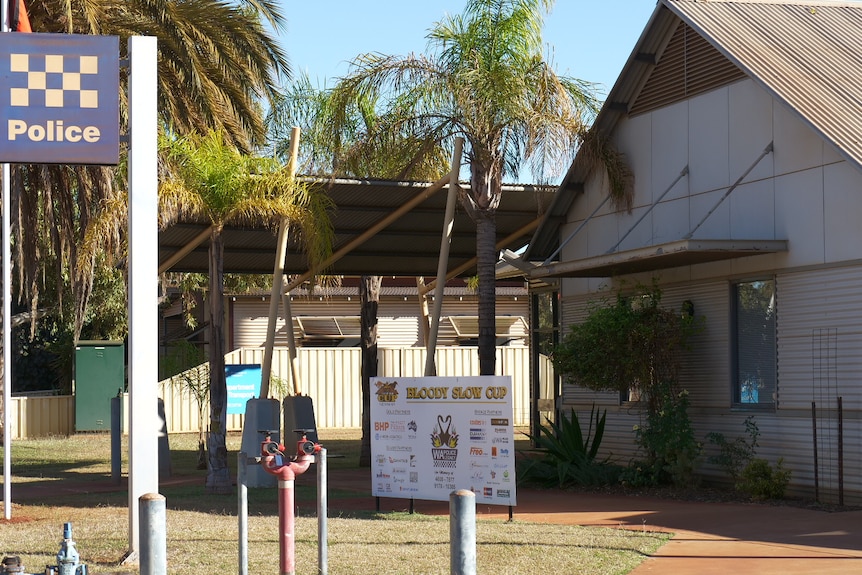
x: 202, y: 529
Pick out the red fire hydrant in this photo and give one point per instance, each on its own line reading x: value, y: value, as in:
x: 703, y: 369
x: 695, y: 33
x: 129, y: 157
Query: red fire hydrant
x: 286, y: 468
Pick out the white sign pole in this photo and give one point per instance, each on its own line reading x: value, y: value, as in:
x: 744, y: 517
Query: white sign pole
x: 7, y: 322
x: 143, y: 279
x: 7, y: 344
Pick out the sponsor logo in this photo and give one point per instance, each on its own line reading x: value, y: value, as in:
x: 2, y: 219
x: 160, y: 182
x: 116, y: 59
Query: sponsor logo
x: 503, y: 493
x: 387, y: 391
x: 500, y: 440
x: 500, y: 421
x: 477, y: 422
x: 444, y: 443
x: 412, y: 426
x: 487, y: 492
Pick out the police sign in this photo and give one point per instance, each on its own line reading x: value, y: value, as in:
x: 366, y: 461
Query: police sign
x: 59, y: 94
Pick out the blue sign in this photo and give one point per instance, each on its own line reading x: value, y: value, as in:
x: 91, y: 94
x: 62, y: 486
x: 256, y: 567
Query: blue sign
x: 243, y: 383
x: 60, y: 99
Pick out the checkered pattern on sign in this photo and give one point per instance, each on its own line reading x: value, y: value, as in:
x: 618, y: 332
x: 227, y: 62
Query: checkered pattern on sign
x: 54, y: 81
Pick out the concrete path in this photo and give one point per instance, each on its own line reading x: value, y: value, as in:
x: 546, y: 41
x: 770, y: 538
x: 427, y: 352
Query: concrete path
x: 709, y: 538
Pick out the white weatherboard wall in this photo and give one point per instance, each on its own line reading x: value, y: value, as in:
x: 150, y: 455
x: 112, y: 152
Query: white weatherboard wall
x: 398, y: 320
x: 803, y: 192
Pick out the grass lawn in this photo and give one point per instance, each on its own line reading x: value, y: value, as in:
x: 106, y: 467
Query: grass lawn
x: 202, y: 528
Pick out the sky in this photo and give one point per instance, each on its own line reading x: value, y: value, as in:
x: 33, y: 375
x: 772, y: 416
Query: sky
x: 588, y: 39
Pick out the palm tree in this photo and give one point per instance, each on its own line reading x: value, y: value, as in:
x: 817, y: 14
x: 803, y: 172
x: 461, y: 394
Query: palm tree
x: 216, y: 61
x: 207, y: 179
x: 325, y: 152
x: 485, y: 80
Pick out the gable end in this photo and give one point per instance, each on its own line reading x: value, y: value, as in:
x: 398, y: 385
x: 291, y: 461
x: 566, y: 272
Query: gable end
x: 688, y: 66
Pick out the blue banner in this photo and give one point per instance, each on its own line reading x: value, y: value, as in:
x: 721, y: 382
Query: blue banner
x: 243, y: 383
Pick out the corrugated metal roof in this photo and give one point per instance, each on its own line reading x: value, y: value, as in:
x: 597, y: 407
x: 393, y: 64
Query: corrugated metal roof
x: 409, y: 246
x: 806, y: 54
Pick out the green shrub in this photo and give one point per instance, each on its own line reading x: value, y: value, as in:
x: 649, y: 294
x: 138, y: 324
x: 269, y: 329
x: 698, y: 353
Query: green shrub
x: 734, y: 456
x: 569, y: 456
x: 668, y: 442
x: 762, y: 481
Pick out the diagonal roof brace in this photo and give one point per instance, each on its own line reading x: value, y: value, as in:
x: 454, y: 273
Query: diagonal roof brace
x: 683, y: 173
x: 762, y: 155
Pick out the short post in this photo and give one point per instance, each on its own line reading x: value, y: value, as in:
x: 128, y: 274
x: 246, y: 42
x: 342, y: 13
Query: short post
x: 153, y: 533
x: 242, y: 511
x: 462, y: 532
x: 322, y: 543
x: 116, y: 437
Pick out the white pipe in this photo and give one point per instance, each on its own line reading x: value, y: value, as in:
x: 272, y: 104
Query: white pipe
x: 443, y: 261
x: 277, y: 273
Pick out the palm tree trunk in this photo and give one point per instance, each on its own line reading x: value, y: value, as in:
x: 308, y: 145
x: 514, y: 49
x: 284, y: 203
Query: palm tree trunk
x: 369, y: 295
x: 218, y: 476
x: 486, y: 257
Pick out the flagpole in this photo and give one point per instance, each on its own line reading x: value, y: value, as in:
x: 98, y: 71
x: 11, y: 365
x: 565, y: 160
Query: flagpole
x: 7, y: 322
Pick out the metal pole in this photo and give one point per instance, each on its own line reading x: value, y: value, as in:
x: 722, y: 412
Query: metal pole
x: 443, y: 258
x: 681, y: 175
x: 7, y: 319
x: 763, y: 154
x: 816, y: 467
x: 322, y: 536
x: 154, y: 552
x: 242, y: 511
x: 840, y: 450
x: 143, y: 265
x: 7, y: 340
x: 116, y: 438
x: 286, y: 525
x: 277, y: 280
x: 462, y: 532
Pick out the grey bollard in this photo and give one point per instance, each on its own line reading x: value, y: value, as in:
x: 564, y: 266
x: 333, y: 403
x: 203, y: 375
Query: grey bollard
x: 322, y: 515
x: 462, y: 532
x: 153, y: 534
x: 116, y: 437
x: 242, y: 510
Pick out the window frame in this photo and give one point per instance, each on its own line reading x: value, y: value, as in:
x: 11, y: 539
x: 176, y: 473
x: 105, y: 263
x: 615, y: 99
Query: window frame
x: 735, y: 383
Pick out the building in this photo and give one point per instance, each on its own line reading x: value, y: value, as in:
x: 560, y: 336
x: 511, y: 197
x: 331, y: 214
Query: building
x: 741, y: 122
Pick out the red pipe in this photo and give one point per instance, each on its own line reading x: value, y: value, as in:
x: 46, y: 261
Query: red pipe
x: 286, y: 473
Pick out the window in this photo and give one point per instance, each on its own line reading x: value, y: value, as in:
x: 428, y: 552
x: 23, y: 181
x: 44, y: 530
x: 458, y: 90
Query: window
x: 754, y: 354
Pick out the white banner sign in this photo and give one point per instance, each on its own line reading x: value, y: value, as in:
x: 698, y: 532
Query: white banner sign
x: 433, y: 435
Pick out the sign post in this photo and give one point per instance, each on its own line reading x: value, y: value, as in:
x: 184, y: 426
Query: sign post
x: 59, y: 98
x: 60, y: 105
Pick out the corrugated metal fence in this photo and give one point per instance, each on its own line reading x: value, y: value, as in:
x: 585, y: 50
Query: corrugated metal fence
x: 330, y: 376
